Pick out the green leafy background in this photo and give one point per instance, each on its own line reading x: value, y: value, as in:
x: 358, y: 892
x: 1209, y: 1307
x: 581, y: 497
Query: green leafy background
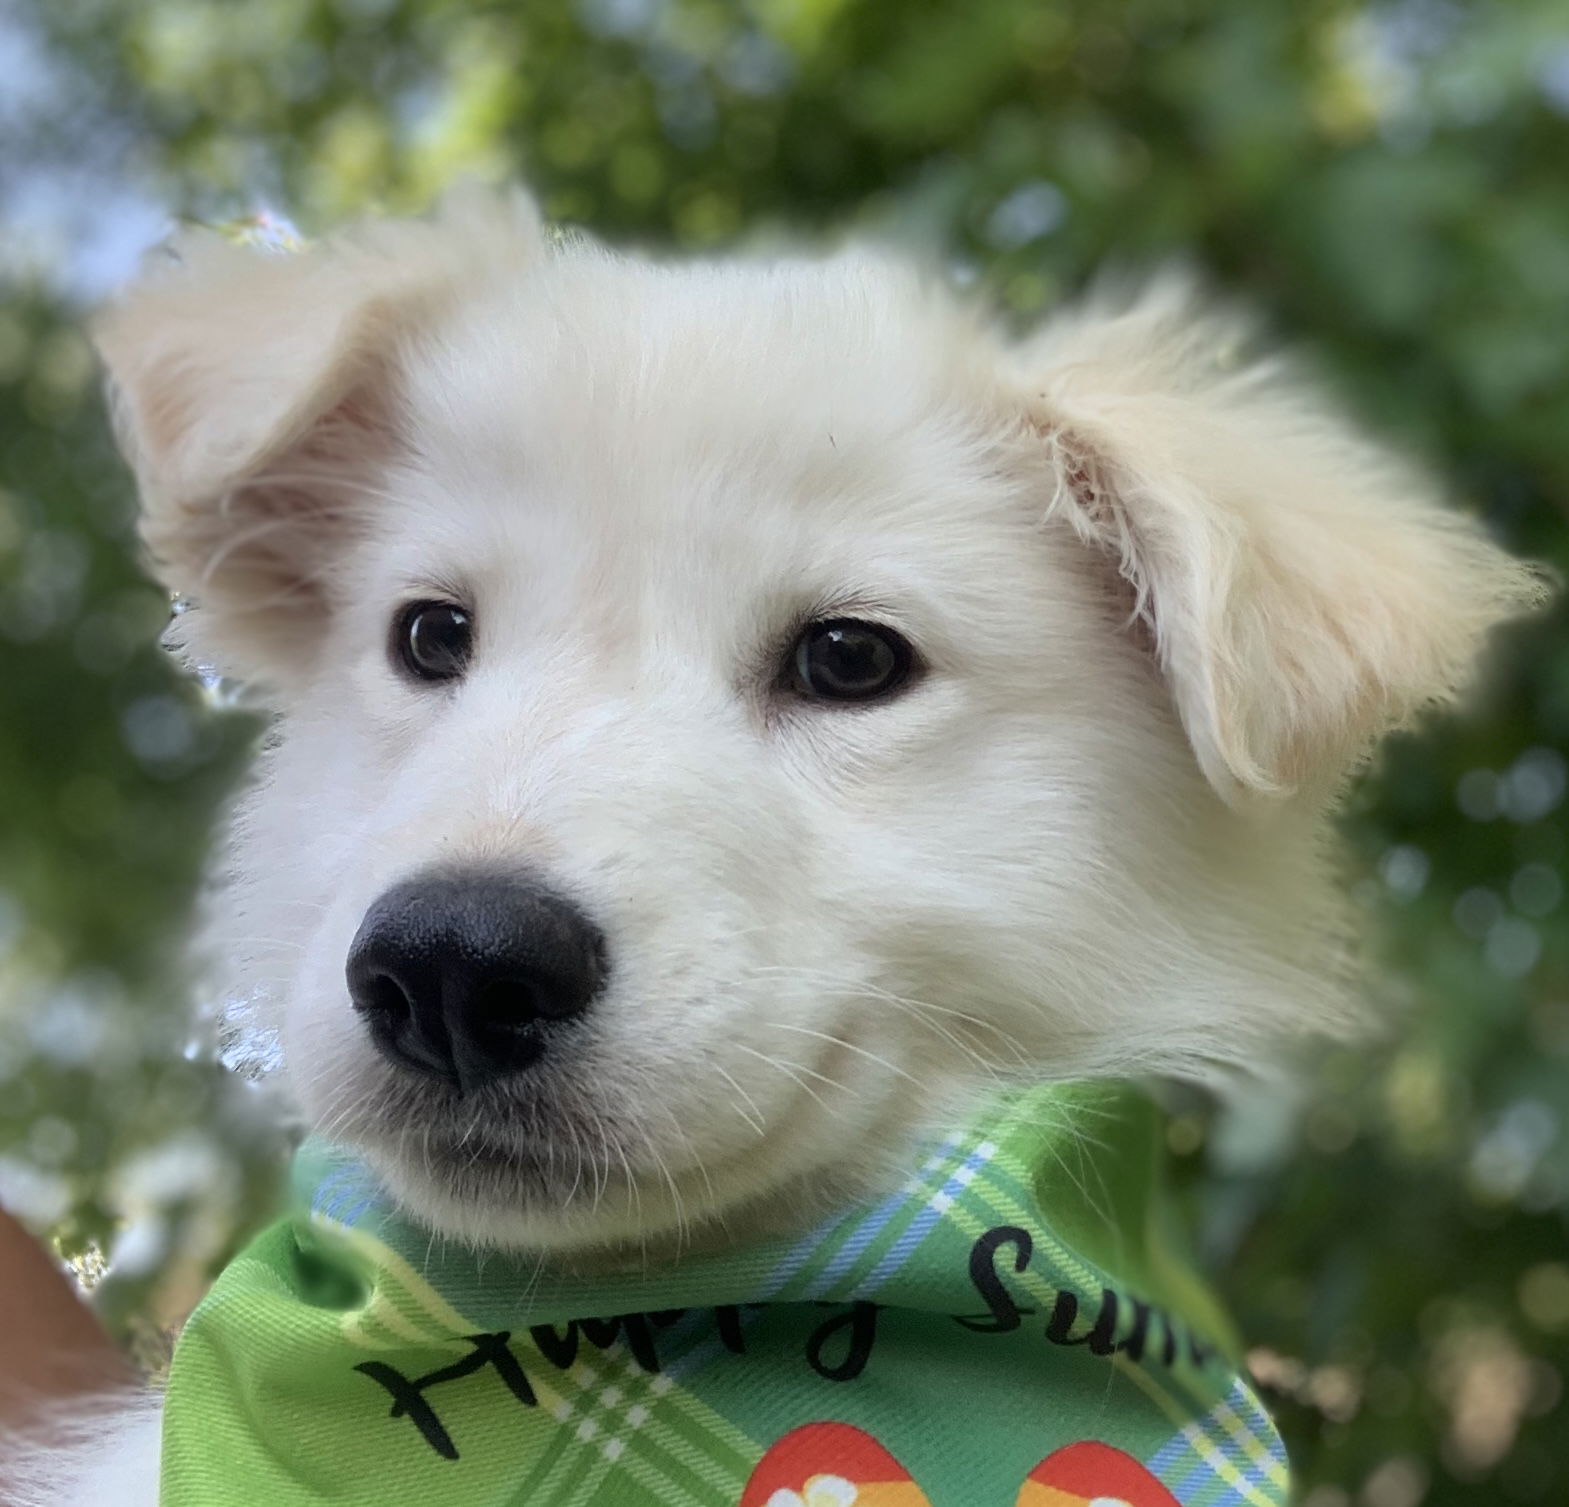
x: 1385, y: 181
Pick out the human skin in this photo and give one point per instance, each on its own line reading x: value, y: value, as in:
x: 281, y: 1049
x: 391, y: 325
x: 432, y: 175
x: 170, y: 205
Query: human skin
x: 52, y: 1347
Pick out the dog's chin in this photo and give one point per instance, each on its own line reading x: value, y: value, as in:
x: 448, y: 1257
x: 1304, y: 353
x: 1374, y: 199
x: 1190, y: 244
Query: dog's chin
x: 555, y: 1164
x: 581, y: 1211
x: 497, y: 1170
x: 496, y: 1196
x: 490, y: 1177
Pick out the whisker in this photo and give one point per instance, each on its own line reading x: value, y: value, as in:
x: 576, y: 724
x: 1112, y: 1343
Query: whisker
x: 756, y: 1121
x: 791, y: 1070
x: 848, y: 1046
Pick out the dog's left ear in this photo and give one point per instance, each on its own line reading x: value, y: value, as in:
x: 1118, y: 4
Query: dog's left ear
x: 257, y: 396
x: 1305, y: 592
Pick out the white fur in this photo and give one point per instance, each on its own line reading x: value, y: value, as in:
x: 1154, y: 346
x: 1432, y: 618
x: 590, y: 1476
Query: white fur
x: 106, y: 1456
x: 1167, y: 600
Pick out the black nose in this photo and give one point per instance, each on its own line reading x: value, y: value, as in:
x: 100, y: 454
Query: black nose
x: 460, y: 976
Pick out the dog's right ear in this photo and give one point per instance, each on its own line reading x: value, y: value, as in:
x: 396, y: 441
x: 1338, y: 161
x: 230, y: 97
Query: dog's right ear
x: 255, y: 394
x: 1303, y: 591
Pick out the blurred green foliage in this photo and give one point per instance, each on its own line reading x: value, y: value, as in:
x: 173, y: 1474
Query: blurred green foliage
x: 1383, y: 180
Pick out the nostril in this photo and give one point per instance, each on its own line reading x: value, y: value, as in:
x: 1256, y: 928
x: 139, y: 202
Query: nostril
x: 383, y: 1000
x: 507, y: 1002
x: 401, y: 1027
x: 517, y: 1002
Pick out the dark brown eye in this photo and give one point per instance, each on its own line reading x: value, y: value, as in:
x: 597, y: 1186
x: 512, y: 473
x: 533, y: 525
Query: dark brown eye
x: 433, y: 640
x: 847, y: 660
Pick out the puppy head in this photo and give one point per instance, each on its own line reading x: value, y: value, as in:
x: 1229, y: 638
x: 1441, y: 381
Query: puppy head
x: 728, y: 713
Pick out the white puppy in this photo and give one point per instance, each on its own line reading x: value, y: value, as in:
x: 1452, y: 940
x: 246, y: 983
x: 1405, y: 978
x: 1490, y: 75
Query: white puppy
x: 730, y: 711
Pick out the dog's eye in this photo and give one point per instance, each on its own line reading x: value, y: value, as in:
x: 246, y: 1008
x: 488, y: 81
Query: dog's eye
x: 846, y: 660
x: 433, y: 640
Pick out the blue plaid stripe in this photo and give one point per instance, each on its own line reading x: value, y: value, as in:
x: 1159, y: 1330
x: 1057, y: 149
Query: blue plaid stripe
x: 1258, y: 1458
x: 874, y: 1224
x: 1167, y: 1457
x: 855, y: 1245
x: 346, y: 1195
x: 930, y: 1215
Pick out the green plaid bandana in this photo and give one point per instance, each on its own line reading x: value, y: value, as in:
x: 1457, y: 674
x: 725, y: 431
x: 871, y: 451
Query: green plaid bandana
x: 1010, y: 1329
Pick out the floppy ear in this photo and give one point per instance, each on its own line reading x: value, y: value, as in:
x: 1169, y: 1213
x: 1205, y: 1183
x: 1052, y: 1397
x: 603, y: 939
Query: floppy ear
x: 255, y: 395
x: 1305, y: 592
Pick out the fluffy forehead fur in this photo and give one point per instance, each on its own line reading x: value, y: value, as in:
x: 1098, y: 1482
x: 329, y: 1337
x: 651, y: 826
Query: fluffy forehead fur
x: 1164, y: 601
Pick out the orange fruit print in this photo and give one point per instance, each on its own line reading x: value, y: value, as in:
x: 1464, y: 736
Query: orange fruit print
x: 1092, y: 1475
x: 837, y: 1465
